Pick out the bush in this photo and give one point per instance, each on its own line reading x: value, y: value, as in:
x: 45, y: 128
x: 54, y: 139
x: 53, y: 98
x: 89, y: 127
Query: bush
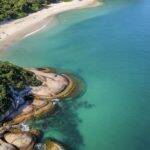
x: 11, y: 9
x: 4, y: 99
x: 16, y: 77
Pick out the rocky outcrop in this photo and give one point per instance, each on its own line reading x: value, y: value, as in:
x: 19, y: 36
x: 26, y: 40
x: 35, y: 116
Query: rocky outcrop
x: 53, y: 84
x: 35, y: 112
x: 22, y: 141
x: 16, y: 139
x: 6, y: 146
x: 54, y: 87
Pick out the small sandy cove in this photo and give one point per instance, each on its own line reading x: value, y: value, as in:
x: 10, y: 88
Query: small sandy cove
x: 17, y: 29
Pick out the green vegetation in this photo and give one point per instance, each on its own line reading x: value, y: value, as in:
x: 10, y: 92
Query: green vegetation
x: 16, y: 77
x: 4, y: 99
x: 12, y: 9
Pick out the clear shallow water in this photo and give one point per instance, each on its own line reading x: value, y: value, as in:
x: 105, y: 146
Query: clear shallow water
x: 109, y: 48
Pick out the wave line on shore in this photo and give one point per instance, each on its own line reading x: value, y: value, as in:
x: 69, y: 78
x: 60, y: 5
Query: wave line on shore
x: 27, y: 35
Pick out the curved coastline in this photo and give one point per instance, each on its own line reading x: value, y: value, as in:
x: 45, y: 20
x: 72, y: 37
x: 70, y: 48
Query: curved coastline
x: 14, y: 31
x: 10, y: 37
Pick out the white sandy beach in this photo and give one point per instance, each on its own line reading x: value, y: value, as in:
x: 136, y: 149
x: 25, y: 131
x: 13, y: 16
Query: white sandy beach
x: 17, y: 29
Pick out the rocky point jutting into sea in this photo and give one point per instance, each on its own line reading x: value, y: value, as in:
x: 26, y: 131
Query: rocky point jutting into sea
x: 109, y: 47
x: 32, y: 102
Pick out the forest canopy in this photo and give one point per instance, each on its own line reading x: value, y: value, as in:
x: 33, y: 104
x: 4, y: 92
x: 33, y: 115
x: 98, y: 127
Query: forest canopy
x: 16, y: 77
x: 13, y: 9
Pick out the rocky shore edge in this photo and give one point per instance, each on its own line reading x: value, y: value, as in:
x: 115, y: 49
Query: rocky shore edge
x: 15, y: 139
x: 14, y: 134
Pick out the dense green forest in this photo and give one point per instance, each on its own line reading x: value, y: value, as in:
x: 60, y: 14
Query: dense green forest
x: 12, y: 9
x: 16, y: 77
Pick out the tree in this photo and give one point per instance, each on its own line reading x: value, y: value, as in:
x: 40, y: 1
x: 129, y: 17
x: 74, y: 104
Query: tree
x: 16, y: 77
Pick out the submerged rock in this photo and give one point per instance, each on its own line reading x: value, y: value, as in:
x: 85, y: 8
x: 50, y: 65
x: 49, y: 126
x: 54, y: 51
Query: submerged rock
x: 39, y: 146
x: 51, y: 145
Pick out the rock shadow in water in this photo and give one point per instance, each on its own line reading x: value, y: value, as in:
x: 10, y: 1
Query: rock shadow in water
x: 65, y: 121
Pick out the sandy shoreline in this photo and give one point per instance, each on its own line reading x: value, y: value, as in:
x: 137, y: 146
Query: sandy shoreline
x: 16, y: 30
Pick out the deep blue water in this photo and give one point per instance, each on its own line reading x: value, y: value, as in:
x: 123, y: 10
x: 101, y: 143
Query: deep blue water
x: 109, y: 47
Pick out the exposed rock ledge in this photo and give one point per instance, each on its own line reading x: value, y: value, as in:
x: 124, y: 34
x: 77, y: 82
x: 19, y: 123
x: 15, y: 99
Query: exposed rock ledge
x: 53, y: 86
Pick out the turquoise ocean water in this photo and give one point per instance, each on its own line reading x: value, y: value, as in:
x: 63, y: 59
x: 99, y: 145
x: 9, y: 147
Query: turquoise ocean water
x: 109, y: 47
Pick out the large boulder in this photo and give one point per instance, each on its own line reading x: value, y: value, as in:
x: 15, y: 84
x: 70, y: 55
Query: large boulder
x: 20, y: 140
x: 53, y: 84
x: 6, y: 146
